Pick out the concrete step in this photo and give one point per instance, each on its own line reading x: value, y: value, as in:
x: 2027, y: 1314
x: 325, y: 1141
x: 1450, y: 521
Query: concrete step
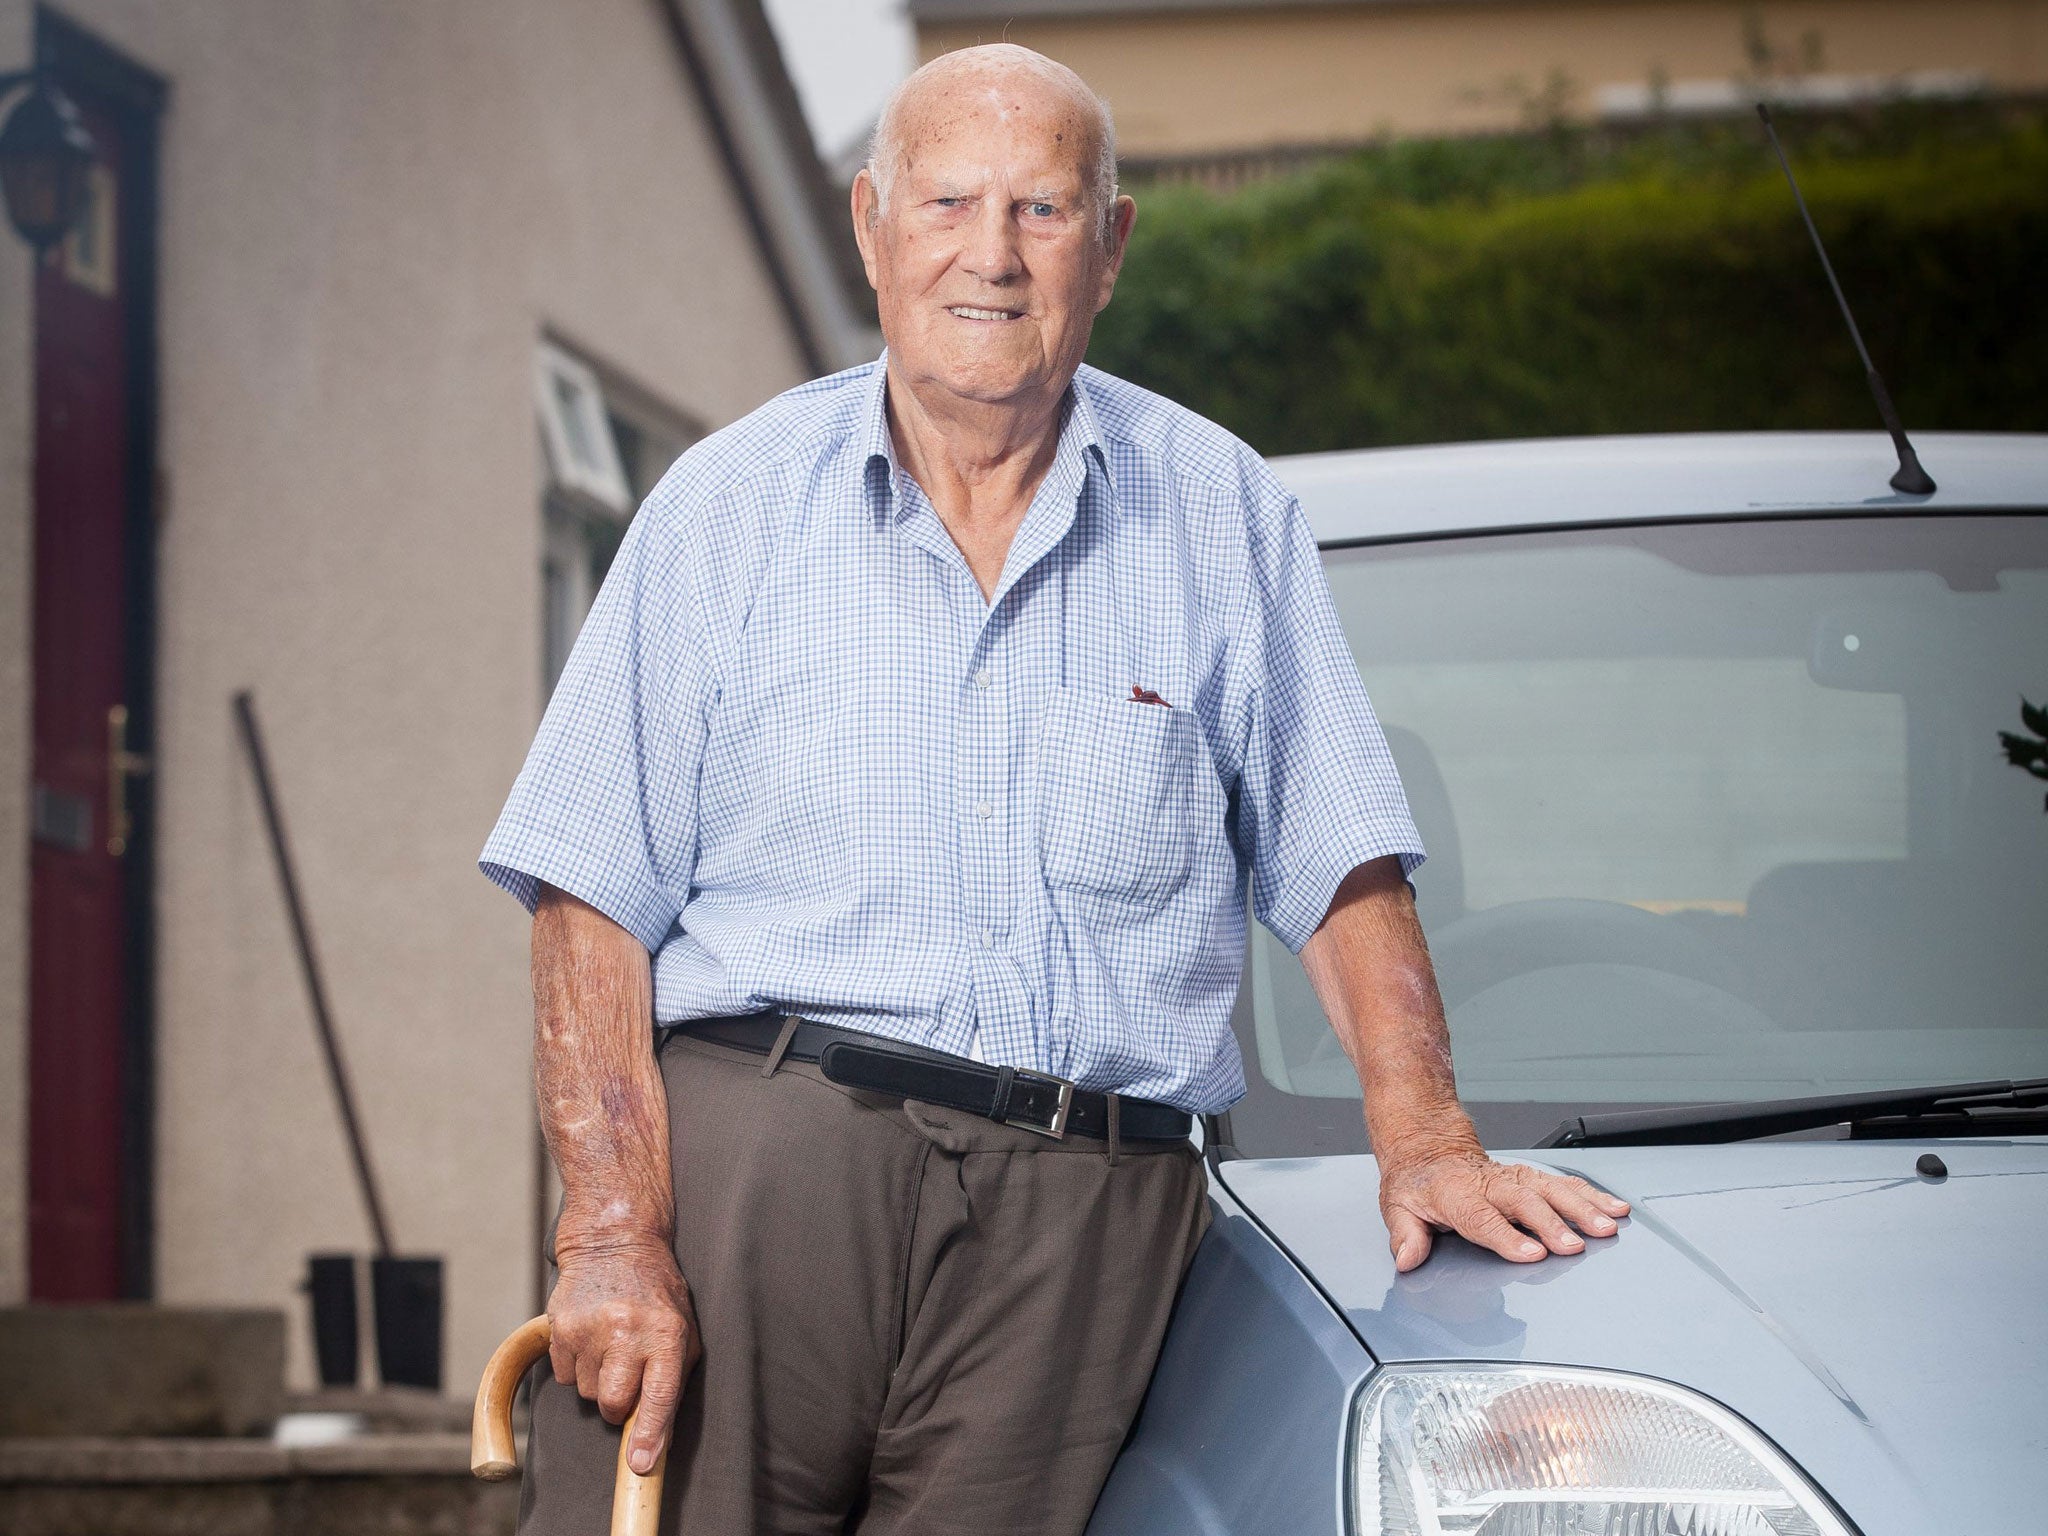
x: 131, y: 1368
x: 373, y: 1485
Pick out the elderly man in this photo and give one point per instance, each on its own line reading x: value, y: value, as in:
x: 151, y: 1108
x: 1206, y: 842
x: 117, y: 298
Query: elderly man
x: 889, y: 840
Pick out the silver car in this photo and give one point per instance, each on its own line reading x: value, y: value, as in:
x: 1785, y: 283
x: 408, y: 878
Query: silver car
x: 1739, y: 901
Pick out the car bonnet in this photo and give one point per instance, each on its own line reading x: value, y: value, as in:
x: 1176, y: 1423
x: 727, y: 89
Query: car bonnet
x: 1886, y: 1328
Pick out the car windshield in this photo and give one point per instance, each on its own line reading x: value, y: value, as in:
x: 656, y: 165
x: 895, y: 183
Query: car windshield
x: 1715, y: 812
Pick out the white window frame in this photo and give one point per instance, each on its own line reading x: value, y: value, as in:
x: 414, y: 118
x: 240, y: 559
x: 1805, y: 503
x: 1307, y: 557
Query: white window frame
x: 588, y: 498
x: 583, y: 456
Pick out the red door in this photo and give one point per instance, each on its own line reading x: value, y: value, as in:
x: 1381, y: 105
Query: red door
x: 88, y: 666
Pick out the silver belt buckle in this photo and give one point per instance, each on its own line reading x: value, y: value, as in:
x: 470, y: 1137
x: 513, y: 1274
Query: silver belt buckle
x: 1056, y: 1128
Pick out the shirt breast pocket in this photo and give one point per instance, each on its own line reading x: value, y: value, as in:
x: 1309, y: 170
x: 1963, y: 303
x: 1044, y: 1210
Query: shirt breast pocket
x: 1115, y: 795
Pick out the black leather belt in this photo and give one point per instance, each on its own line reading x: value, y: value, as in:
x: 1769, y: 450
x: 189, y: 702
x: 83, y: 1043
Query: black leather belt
x: 1031, y: 1101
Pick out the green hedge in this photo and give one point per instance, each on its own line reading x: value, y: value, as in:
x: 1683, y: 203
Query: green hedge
x: 1432, y: 293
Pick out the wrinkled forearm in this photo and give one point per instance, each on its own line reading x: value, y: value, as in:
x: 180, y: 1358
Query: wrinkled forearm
x: 603, y: 1109
x: 1369, y: 964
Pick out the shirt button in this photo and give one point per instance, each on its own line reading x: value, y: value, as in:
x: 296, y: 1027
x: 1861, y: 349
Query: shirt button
x: 982, y: 678
x: 988, y: 938
x: 984, y: 810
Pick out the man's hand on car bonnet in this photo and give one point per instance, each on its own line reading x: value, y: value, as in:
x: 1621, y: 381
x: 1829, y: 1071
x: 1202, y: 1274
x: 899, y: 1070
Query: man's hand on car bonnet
x: 1444, y: 1182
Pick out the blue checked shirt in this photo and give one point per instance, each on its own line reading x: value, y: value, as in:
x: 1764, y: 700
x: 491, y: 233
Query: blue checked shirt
x: 798, y: 755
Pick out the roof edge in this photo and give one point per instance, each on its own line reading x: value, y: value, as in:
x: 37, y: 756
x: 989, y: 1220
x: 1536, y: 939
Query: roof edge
x: 1376, y: 495
x: 736, y: 67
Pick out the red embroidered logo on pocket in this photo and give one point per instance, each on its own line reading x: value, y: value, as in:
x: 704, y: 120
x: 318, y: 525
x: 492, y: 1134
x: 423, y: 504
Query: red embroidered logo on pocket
x: 1147, y: 696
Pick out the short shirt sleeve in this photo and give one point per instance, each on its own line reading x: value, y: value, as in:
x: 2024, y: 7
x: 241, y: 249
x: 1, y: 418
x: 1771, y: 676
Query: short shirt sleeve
x: 606, y: 805
x: 1319, y: 794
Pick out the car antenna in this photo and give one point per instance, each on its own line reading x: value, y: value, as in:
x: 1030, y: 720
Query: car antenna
x: 1911, y: 478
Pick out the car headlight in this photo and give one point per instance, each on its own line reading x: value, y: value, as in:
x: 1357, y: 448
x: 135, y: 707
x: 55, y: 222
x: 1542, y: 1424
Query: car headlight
x: 1478, y: 1450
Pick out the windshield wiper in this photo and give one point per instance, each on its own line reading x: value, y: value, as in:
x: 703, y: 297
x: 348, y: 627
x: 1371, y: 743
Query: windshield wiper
x: 1949, y: 1111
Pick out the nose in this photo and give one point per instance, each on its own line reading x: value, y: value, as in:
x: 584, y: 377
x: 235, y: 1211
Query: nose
x: 992, y: 252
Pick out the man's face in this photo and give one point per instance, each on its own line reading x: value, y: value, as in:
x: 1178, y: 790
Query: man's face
x: 989, y: 261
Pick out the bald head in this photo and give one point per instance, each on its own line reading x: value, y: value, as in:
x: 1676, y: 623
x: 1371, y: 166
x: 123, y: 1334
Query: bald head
x: 998, y: 78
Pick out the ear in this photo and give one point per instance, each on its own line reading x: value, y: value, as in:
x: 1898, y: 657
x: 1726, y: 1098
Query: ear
x: 1123, y: 216
x: 867, y: 207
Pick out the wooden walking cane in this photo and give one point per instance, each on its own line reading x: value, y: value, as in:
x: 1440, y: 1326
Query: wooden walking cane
x: 636, y: 1500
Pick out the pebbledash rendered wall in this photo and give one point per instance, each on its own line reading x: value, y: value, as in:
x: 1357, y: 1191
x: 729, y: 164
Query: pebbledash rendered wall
x: 370, y: 212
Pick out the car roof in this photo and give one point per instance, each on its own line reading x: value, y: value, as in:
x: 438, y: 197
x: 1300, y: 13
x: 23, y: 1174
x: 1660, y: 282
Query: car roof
x: 1373, y: 494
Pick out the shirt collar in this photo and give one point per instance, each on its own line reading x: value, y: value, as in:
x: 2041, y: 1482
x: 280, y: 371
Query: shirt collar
x: 877, y: 452
x: 1087, y: 432
x: 1080, y: 440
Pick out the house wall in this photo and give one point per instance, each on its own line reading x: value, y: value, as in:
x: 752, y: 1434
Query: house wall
x: 1204, y: 82
x: 371, y: 210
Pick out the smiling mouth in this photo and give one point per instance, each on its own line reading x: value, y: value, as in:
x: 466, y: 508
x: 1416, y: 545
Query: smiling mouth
x: 969, y: 312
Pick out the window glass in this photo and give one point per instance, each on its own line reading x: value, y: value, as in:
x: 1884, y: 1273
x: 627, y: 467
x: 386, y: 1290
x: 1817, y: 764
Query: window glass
x: 1715, y: 812
x: 1711, y: 771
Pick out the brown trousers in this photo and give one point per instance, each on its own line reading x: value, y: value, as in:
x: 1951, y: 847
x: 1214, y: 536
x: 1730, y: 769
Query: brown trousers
x: 916, y: 1322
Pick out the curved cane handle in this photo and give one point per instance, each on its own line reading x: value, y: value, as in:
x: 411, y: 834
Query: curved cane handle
x: 492, y: 1456
x: 636, y: 1500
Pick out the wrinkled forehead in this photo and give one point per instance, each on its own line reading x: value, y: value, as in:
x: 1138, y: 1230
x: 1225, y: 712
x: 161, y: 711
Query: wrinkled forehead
x: 1012, y: 123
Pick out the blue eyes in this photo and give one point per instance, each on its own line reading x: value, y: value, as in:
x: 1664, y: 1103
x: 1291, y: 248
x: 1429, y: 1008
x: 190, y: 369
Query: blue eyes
x: 1036, y: 210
